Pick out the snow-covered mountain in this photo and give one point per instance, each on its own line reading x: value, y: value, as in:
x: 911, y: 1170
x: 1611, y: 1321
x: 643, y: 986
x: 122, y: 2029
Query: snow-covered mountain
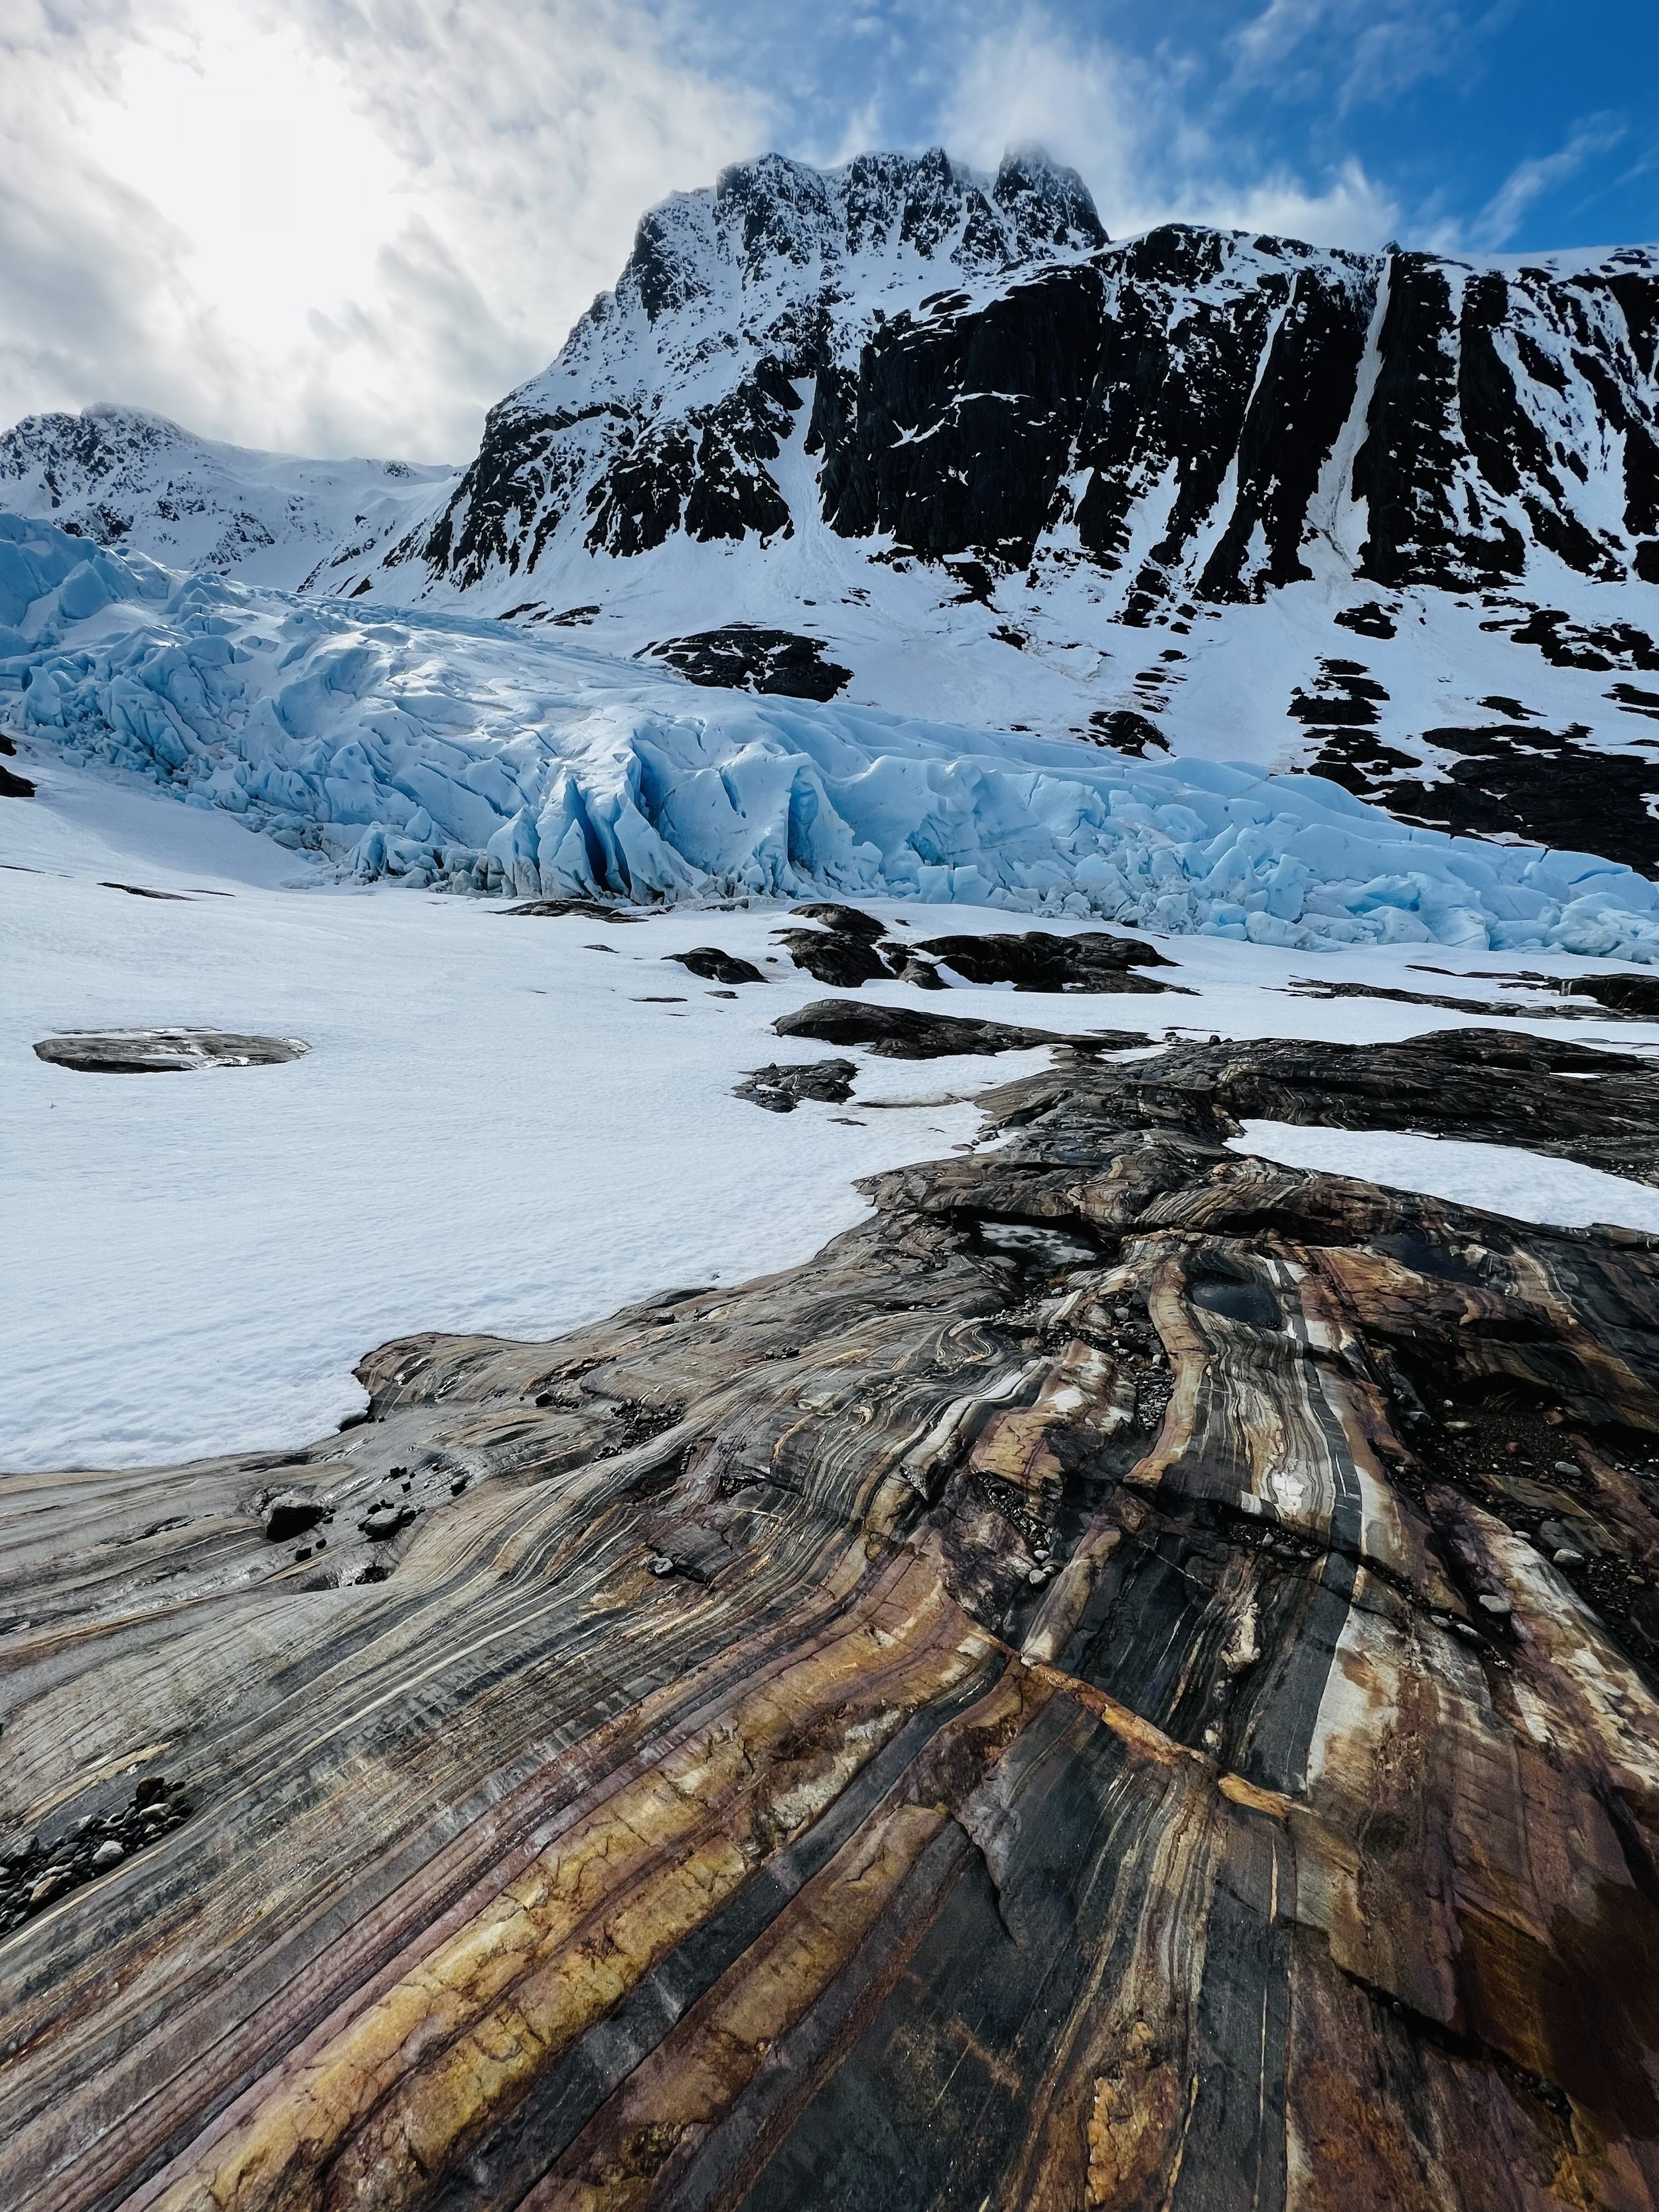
x: 899, y: 437
x: 1397, y: 515
x: 1191, y: 413
x: 123, y: 477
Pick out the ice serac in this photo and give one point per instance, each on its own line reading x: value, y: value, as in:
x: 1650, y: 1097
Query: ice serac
x: 1131, y: 1680
x: 131, y: 480
x: 1191, y: 411
x: 469, y: 755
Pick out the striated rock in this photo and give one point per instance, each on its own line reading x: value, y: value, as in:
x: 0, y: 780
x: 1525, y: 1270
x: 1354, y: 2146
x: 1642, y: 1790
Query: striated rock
x: 1061, y: 1701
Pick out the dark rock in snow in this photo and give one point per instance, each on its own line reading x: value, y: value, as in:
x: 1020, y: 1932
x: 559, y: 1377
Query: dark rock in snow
x: 717, y: 967
x: 781, y: 1089
x: 743, y: 657
x: 846, y: 920
x: 1127, y: 732
x: 906, y: 1033
x: 165, y: 1051
x: 834, y: 956
x: 1042, y: 960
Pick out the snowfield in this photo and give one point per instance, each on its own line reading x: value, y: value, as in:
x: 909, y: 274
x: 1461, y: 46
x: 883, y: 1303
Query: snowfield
x: 504, y: 1123
x: 445, y: 750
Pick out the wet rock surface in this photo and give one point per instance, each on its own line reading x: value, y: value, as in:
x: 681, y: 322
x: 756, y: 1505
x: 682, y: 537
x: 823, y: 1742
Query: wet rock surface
x: 165, y: 1051
x: 1132, y: 1679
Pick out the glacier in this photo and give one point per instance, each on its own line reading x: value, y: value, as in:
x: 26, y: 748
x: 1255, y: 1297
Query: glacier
x: 448, y: 750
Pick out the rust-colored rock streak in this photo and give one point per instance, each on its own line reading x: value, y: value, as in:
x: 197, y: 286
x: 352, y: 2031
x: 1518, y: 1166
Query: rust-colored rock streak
x: 1128, y: 1681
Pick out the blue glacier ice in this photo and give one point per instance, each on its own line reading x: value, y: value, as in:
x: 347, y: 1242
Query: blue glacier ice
x: 465, y: 754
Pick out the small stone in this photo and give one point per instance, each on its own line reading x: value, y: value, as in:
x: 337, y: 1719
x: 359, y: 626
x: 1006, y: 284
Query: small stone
x: 151, y: 1790
x: 1570, y: 1468
x: 1490, y: 1602
x: 290, y: 1513
x: 1037, y: 1577
x: 1466, y: 1628
x: 662, y: 1565
x: 108, y: 1854
x: 47, y: 1887
x: 20, y: 1851
x: 1566, y: 1556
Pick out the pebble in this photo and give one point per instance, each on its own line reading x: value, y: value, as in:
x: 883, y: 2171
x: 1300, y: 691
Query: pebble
x: 1493, y: 1604
x: 664, y: 1566
x: 108, y: 1854
x: 1567, y: 1557
x: 1571, y: 1469
x: 47, y: 1887
x: 1037, y: 1577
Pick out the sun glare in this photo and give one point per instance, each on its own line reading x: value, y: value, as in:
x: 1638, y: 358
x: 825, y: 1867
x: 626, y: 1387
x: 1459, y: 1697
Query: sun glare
x: 252, y: 149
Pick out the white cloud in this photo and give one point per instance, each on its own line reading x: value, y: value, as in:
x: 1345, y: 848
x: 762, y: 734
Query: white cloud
x: 1356, y: 50
x: 1530, y: 180
x: 1122, y: 122
x: 330, y: 224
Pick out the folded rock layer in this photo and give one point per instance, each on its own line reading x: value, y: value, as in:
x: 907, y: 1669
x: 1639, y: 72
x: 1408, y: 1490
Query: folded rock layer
x: 1128, y: 1681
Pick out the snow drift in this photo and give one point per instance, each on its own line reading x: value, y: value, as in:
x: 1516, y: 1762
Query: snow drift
x: 463, y: 753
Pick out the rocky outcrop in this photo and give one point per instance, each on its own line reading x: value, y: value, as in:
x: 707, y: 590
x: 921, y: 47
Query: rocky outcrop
x: 164, y: 1052
x: 1130, y: 1679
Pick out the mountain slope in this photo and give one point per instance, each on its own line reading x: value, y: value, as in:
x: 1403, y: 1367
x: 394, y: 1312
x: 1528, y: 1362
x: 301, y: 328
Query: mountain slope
x: 123, y: 477
x: 1193, y: 413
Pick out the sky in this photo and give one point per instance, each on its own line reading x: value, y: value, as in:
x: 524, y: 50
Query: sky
x: 349, y: 226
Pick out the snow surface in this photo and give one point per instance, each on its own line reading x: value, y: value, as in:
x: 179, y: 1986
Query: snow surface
x: 442, y: 749
x: 504, y: 1124
x: 1501, y: 1178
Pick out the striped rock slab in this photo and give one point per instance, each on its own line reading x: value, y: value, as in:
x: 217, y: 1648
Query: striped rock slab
x: 1068, y: 1699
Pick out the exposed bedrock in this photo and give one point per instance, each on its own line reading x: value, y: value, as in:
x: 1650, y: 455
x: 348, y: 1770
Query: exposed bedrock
x: 1128, y: 1681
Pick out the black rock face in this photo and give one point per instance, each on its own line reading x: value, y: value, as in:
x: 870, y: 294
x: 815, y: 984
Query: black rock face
x: 744, y: 658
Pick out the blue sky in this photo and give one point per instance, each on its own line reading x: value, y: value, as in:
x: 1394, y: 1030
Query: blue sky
x: 339, y: 226
x: 1518, y: 126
